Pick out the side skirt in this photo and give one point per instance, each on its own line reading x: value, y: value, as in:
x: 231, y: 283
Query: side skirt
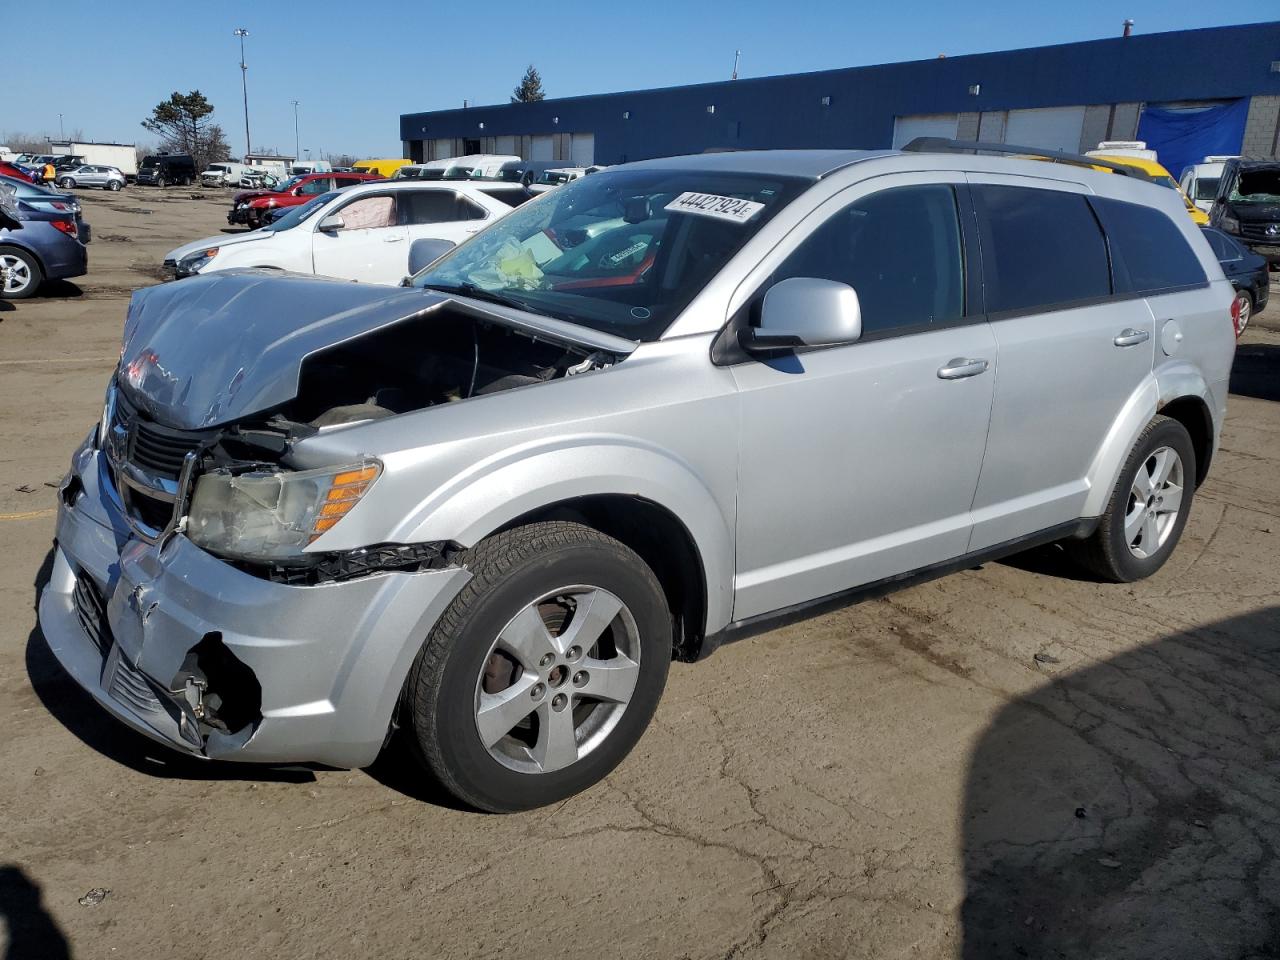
x: 752, y: 626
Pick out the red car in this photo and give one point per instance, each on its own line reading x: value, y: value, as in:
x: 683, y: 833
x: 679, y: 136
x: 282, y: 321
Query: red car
x: 249, y: 206
x: 21, y: 173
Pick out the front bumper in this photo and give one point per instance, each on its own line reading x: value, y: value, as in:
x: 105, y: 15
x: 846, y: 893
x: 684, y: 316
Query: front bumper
x: 330, y: 659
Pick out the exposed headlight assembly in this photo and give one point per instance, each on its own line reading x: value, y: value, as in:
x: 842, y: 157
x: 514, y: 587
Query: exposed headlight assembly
x: 267, y: 514
x: 1229, y: 224
x: 195, y: 262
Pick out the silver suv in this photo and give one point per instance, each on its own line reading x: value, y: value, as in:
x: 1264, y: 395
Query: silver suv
x: 91, y: 175
x: 642, y: 415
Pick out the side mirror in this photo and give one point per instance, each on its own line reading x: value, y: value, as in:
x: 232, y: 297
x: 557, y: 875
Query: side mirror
x: 805, y: 312
x: 331, y: 224
x: 425, y: 252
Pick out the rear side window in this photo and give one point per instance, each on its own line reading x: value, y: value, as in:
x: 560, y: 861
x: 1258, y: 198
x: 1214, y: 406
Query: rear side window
x: 1041, y: 249
x: 1149, y: 253
x: 1224, y: 248
x: 900, y: 250
x: 437, y: 206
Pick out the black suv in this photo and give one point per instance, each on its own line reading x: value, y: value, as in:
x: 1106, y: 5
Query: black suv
x: 167, y: 168
x: 1248, y: 205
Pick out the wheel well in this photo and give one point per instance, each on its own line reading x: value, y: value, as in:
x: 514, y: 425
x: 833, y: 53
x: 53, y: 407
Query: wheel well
x: 661, y: 540
x: 1193, y: 413
x: 29, y: 252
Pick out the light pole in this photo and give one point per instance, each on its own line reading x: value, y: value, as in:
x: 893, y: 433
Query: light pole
x: 296, y: 141
x: 61, y: 133
x: 241, y: 32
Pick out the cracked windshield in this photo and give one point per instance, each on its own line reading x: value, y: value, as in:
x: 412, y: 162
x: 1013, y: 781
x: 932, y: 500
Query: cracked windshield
x: 618, y: 252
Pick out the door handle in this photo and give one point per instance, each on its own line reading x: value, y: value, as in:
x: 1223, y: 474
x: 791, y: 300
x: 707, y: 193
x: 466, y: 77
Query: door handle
x: 958, y: 368
x: 392, y: 239
x: 1128, y: 337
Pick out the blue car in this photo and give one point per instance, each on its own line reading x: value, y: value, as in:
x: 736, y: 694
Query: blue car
x: 49, y: 243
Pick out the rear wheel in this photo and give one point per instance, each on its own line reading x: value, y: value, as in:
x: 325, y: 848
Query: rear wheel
x: 1149, y: 506
x: 544, y: 671
x: 1243, y: 311
x: 20, y: 274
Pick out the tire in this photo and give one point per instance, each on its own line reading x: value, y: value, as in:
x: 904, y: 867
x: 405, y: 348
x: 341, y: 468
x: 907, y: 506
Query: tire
x: 1111, y: 551
x: 1246, y: 311
x: 114, y: 186
x: 66, y: 183
x: 160, y: 182
x: 519, y: 575
x: 30, y: 276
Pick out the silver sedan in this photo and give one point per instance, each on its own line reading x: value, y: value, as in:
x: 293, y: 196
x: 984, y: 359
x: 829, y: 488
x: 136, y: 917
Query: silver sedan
x: 91, y: 175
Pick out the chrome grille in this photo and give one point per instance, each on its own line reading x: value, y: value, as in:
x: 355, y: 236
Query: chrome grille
x: 91, y: 611
x: 1258, y: 231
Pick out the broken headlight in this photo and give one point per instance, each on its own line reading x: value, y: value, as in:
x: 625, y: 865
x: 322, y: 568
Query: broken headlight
x: 267, y: 514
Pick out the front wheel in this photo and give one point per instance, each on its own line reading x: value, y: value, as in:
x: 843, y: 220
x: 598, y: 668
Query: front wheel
x: 114, y: 185
x: 160, y: 182
x: 545, y: 670
x: 1149, y: 506
x: 66, y: 183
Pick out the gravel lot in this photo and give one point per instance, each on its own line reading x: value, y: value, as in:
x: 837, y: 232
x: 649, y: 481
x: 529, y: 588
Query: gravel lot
x: 1012, y: 762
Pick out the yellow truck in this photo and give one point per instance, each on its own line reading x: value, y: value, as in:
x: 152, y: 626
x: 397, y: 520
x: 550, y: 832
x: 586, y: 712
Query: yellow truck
x: 383, y: 168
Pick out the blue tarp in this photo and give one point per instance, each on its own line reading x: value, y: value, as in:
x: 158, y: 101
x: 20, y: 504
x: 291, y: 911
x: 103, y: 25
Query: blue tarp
x: 1183, y: 137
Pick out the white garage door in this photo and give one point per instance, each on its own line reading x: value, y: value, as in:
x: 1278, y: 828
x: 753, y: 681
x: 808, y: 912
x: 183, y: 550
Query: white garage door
x: 443, y: 150
x: 1049, y: 128
x: 906, y: 129
x: 582, y: 150
x: 506, y: 146
x: 543, y: 149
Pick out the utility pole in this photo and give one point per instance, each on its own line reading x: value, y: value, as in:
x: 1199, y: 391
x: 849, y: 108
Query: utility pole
x: 296, y: 141
x: 241, y: 32
x: 737, y: 54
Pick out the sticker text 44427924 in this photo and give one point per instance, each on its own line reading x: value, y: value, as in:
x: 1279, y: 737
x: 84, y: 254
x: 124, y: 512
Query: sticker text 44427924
x: 714, y: 205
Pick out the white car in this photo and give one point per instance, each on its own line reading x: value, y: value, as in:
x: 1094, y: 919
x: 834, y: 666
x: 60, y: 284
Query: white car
x: 357, y: 233
x: 555, y: 177
x: 473, y: 166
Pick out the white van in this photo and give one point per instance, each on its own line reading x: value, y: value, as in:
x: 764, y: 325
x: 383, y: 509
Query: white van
x: 303, y: 167
x: 1200, y: 181
x: 474, y: 166
x: 223, y: 174
x: 1124, y: 148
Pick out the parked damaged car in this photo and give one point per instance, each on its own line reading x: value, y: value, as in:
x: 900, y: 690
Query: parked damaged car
x: 642, y: 415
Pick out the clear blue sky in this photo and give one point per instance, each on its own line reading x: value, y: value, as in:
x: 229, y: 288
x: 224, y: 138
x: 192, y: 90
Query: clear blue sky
x: 356, y: 66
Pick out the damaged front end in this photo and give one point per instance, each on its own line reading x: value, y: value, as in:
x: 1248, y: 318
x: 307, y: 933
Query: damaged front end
x: 191, y: 592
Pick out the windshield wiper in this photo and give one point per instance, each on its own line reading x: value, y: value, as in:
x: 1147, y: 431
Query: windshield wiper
x: 479, y: 293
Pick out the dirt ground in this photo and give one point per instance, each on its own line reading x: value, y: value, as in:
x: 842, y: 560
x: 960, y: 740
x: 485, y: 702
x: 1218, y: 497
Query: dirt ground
x: 1011, y: 762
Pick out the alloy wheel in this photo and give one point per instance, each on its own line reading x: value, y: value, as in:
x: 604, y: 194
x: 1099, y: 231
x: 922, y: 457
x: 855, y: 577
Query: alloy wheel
x: 557, y: 679
x: 1155, y: 500
x: 1245, y: 308
x: 16, y: 273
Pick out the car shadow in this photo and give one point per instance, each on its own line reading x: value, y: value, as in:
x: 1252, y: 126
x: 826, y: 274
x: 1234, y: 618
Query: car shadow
x: 58, y: 290
x: 235, y: 230
x: 32, y: 933
x: 76, y: 710
x: 1127, y: 809
x: 1256, y: 371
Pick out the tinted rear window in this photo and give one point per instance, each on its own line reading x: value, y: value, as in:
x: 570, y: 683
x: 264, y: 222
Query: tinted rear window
x: 1149, y: 253
x: 512, y: 198
x: 1041, y: 249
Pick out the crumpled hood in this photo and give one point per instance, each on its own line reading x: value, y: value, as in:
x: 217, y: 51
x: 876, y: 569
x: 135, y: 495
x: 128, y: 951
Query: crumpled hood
x: 211, y: 349
x: 223, y: 240
x: 217, y: 347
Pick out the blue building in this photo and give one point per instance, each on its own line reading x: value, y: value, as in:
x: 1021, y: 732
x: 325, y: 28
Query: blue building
x: 1221, y: 83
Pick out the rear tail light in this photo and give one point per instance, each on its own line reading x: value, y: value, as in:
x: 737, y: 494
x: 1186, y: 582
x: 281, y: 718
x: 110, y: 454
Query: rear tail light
x: 66, y: 226
x: 1235, y: 317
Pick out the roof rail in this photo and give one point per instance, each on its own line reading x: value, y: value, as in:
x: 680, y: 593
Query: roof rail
x: 945, y: 145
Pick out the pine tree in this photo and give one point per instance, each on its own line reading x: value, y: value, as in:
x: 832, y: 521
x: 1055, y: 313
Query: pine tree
x: 530, y: 89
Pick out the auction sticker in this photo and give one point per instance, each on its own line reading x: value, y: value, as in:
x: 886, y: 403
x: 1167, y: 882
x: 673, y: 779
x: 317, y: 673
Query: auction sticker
x: 714, y: 205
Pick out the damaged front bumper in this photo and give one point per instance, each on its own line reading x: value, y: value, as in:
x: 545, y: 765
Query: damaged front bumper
x: 218, y: 662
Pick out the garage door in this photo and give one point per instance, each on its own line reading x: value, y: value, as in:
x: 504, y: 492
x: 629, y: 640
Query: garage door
x: 582, y: 151
x: 442, y: 150
x: 1049, y: 128
x: 906, y: 129
x: 506, y: 146
x: 543, y: 149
